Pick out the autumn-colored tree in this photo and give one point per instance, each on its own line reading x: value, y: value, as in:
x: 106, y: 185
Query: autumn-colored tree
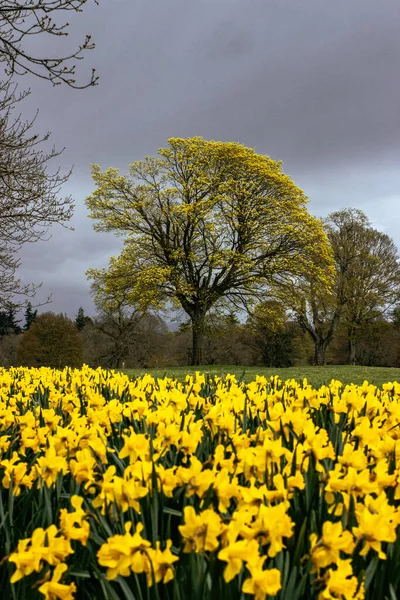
x: 51, y: 341
x: 366, y: 284
x: 206, y: 223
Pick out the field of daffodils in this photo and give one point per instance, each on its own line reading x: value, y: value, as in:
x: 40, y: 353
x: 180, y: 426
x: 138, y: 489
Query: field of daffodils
x: 210, y: 489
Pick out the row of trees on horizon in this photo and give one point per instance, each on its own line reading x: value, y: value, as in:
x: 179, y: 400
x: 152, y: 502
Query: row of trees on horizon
x: 268, y: 338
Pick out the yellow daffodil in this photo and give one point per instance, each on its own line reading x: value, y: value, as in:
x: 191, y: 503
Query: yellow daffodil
x: 53, y: 589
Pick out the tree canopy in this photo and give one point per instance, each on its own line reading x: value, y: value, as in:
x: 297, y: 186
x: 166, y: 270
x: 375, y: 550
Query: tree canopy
x: 205, y: 223
x: 366, y: 283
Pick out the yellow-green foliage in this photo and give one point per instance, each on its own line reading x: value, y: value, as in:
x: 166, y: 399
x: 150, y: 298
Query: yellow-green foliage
x: 205, y: 221
x: 112, y: 488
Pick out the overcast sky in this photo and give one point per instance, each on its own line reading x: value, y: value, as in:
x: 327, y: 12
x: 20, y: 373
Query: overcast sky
x: 313, y: 83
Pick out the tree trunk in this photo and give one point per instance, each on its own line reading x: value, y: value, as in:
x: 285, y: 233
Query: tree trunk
x: 197, y: 337
x: 352, y: 347
x: 320, y: 352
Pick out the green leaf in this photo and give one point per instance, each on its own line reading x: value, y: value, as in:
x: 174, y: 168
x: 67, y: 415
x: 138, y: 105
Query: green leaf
x: 172, y: 511
x: 370, y: 572
x: 81, y: 574
x: 126, y: 589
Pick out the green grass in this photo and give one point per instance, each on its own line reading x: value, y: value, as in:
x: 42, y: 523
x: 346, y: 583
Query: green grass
x: 316, y: 375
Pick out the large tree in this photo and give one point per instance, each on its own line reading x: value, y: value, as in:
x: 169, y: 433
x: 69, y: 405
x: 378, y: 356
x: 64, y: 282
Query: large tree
x: 30, y: 199
x: 373, y: 286
x: 205, y: 223
x: 366, y: 283
x: 20, y: 20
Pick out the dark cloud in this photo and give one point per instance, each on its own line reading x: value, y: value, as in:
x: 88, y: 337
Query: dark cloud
x: 312, y: 83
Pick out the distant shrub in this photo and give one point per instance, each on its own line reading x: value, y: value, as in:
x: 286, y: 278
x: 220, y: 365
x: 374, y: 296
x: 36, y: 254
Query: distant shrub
x: 51, y: 341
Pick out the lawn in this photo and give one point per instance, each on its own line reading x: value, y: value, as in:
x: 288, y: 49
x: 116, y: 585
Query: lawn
x: 315, y: 375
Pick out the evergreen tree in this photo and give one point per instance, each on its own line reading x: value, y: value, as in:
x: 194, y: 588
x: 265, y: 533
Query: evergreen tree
x: 30, y: 316
x: 4, y: 328
x: 81, y: 319
x: 8, y: 322
x: 12, y: 320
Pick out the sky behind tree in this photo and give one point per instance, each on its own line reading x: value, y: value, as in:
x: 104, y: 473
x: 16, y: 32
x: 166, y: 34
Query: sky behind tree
x: 312, y: 83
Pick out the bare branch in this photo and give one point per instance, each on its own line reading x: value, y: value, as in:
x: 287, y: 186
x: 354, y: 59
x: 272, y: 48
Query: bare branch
x: 29, y: 192
x: 20, y: 20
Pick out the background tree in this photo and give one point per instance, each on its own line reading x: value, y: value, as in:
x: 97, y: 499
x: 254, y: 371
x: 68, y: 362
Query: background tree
x: 395, y: 315
x: 22, y: 19
x: 207, y: 223
x: 10, y: 331
x: 366, y: 283
x: 373, y: 283
x: 8, y: 349
x: 123, y: 343
x: 124, y: 335
x: 118, y: 326
x: 377, y: 343
x: 81, y: 320
x: 51, y: 341
x: 318, y: 311
x: 270, y: 335
x: 8, y: 321
x: 30, y: 316
x: 223, y: 342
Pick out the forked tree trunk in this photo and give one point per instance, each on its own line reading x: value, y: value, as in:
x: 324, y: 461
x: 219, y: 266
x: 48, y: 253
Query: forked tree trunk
x: 321, y: 339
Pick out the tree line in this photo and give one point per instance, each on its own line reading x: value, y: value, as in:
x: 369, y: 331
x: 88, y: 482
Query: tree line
x: 267, y: 338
